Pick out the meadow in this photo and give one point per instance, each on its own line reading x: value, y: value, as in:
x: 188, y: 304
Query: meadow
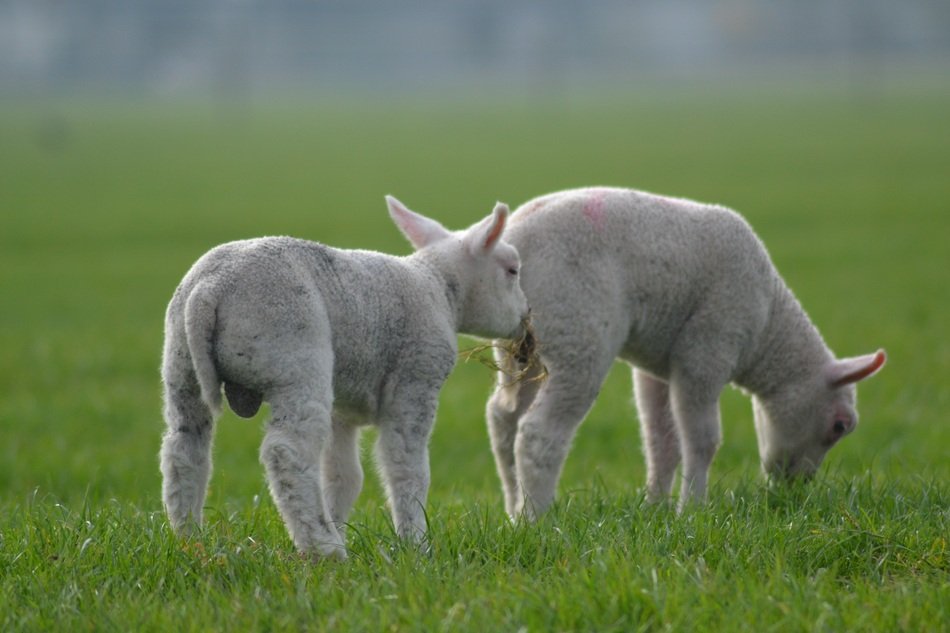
x: 105, y: 205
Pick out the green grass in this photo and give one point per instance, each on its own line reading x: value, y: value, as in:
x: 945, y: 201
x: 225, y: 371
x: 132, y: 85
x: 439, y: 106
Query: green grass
x: 837, y: 557
x: 103, y: 208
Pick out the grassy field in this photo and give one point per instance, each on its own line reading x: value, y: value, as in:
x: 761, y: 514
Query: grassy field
x: 104, y: 207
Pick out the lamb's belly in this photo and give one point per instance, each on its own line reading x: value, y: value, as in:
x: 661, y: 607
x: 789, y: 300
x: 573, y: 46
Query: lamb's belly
x: 355, y: 394
x: 652, y: 361
x: 355, y: 411
x: 648, y: 348
x: 658, y: 316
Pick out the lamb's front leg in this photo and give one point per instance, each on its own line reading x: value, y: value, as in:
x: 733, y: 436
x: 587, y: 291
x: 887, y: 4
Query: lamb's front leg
x: 402, y: 455
x: 661, y: 445
x: 695, y: 405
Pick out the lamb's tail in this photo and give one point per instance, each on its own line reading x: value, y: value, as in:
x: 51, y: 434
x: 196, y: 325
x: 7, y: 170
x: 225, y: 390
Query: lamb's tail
x: 200, y: 319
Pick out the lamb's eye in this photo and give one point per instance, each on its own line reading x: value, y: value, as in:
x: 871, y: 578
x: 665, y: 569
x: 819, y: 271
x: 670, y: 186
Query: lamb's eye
x: 513, y: 272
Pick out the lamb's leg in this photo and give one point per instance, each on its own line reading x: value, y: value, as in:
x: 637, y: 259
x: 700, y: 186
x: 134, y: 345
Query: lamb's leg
x: 342, y: 471
x: 661, y: 445
x: 695, y: 405
x: 296, y: 435
x: 505, y: 407
x: 547, y: 428
x: 186, y: 450
x: 402, y: 455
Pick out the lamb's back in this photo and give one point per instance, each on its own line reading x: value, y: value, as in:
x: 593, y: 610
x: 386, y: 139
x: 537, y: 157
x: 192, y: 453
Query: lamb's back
x: 651, y: 260
x: 276, y: 293
x: 635, y: 221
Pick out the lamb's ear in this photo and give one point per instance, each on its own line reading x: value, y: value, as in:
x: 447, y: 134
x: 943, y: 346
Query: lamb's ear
x: 418, y: 229
x: 484, y: 236
x: 848, y: 370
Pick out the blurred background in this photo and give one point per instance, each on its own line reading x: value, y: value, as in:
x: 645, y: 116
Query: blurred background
x: 135, y: 135
x: 245, y: 49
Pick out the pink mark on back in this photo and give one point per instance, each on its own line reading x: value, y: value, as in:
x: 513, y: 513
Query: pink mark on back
x: 594, y: 208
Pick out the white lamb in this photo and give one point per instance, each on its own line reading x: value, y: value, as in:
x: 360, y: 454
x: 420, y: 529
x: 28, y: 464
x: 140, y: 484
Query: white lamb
x: 686, y: 294
x: 332, y: 339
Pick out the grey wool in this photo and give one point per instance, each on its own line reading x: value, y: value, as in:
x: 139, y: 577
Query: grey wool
x: 332, y: 340
x: 687, y: 295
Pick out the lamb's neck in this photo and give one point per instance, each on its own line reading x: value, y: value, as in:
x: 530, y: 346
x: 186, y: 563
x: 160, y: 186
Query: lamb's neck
x: 790, y: 349
x: 440, y: 275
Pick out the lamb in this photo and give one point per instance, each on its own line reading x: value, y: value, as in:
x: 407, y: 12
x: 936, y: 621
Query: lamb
x: 685, y: 293
x: 332, y: 339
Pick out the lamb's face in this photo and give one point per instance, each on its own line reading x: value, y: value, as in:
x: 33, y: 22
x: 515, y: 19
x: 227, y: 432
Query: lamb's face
x: 796, y: 431
x: 485, y: 268
x: 495, y: 305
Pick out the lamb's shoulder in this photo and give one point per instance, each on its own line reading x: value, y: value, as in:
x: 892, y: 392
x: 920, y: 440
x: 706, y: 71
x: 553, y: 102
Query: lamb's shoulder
x: 421, y: 321
x: 722, y: 266
x: 710, y: 243
x: 738, y: 255
x: 393, y: 340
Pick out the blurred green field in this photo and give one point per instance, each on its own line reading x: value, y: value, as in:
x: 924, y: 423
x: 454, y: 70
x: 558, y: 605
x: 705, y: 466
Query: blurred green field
x: 104, y: 206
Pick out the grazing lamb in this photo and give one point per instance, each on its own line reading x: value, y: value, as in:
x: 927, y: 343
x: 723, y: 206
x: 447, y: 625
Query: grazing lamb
x: 686, y: 294
x: 332, y: 339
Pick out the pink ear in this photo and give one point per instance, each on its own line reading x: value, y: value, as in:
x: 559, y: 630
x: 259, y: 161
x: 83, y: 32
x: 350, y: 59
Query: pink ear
x: 483, y: 236
x: 850, y: 370
x: 499, y: 218
x: 419, y: 230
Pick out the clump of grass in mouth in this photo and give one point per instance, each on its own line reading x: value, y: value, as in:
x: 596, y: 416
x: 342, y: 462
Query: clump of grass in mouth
x: 522, y: 351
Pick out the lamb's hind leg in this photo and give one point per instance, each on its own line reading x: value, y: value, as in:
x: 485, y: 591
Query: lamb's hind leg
x: 186, y: 446
x: 296, y: 436
x: 505, y: 407
x: 695, y: 405
x: 661, y: 445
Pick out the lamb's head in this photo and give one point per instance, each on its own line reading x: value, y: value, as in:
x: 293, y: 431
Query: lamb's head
x: 481, y: 269
x: 798, y: 425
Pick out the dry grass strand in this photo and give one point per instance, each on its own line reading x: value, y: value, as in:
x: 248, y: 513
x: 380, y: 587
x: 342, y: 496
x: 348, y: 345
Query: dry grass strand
x: 522, y: 352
